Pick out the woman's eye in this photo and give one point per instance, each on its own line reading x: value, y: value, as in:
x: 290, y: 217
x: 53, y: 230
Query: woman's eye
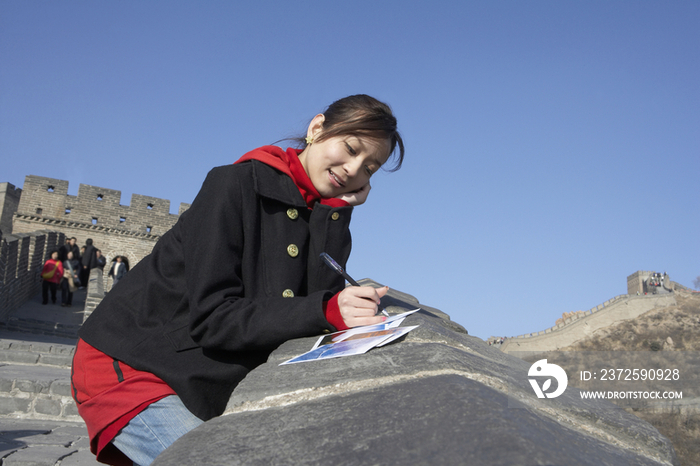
x: 369, y: 171
x: 350, y: 149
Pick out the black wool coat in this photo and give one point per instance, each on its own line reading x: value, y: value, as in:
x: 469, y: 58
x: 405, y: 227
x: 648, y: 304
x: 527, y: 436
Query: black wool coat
x: 237, y: 275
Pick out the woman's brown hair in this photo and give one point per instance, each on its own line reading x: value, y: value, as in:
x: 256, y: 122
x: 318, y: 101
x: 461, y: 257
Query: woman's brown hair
x: 362, y: 115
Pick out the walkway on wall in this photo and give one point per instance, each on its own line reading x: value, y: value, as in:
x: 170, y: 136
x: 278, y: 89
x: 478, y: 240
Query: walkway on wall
x: 51, y: 320
x: 39, y: 422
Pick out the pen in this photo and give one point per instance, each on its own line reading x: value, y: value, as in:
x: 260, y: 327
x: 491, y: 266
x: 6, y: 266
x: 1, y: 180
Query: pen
x: 328, y: 260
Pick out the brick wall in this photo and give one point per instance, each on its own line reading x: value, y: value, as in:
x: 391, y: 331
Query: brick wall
x: 9, y: 202
x: 635, y: 282
x: 95, y: 213
x: 48, y: 198
x: 22, y: 257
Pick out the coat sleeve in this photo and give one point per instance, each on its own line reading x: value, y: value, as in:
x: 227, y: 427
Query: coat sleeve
x: 225, y: 314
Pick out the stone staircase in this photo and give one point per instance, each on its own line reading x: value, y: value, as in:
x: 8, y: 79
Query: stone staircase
x: 35, y: 381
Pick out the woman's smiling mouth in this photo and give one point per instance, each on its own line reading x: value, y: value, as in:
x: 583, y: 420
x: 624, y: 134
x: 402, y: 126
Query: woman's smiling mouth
x: 335, y: 180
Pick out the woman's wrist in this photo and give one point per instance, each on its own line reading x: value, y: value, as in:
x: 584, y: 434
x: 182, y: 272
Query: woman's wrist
x: 331, y: 310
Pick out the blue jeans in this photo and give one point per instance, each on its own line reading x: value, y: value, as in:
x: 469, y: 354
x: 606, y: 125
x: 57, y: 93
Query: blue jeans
x: 154, y: 429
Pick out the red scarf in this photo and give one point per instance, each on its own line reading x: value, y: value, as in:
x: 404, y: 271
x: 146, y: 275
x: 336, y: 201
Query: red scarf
x: 288, y: 163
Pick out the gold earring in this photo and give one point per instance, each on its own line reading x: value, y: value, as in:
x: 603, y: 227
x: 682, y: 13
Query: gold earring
x: 309, y: 140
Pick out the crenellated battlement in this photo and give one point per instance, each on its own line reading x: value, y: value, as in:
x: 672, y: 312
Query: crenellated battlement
x: 48, y: 198
x: 95, y: 213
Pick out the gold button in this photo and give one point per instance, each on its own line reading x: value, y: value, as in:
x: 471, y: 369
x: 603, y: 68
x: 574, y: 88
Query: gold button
x: 335, y: 216
x: 325, y: 330
x: 292, y: 213
x: 287, y: 293
x: 293, y: 250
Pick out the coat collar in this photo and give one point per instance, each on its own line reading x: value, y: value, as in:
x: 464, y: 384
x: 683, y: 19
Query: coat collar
x: 273, y: 184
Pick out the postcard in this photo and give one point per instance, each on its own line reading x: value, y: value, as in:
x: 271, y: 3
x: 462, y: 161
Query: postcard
x: 354, y: 341
x: 391, y: 322
x: 337, y: 350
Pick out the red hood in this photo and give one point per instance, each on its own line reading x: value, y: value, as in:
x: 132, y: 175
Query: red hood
x: 288, y: 163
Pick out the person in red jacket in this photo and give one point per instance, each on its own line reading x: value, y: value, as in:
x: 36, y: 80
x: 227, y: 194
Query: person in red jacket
x: 51, y: 276
x: 237, y: 275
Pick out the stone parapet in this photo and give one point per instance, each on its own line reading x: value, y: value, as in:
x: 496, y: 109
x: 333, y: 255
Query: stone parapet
x: 437, y: 396
x: 95, y: 292
x: 21, y: 259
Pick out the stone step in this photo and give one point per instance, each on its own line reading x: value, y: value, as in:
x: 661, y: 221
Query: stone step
x: 36, y: 353
x: 36, y: 392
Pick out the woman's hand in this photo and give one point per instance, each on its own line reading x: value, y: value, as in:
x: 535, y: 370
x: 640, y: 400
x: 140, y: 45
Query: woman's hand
x: 358, y: 305
x: 358, y: 197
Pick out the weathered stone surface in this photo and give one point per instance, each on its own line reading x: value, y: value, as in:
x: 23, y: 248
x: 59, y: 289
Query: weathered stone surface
x: 48, y: 407
x: 13, y: 405
x: 439, y: 396
x: 38, y: 456
x: 40, y: 442
x: 446, y: 419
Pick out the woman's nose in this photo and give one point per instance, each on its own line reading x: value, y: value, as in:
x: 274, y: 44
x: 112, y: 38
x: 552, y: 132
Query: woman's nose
x: 352, y: 167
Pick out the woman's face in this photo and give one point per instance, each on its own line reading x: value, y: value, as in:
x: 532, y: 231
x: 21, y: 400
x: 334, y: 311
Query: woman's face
x: 342, y: 164
x: 54, y: 255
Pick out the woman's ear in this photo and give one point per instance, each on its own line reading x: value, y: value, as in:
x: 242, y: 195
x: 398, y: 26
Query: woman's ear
x: 316, y: 126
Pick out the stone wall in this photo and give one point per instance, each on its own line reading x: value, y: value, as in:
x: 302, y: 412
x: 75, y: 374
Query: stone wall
x: 635, y: 282
x: 111, y: 241
x: 435, y: 397
x: 95, y: 213
x: 48, y: 198
x: 22, y: 257
x: 9, y: 201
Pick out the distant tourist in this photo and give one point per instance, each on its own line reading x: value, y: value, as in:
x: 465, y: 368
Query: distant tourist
x: 100, y: 260
x: 87, y: 261
x: 69, y: 246
x: 119, y: 268
x: 236, y: 276
x: 71, y: 279
x: 63, y: 250
x: 51, y: 276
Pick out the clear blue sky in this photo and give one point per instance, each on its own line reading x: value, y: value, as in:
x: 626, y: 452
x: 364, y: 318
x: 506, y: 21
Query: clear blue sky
x: 553, y: 147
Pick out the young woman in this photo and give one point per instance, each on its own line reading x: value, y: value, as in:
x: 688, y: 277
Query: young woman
x: 238, y: 275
